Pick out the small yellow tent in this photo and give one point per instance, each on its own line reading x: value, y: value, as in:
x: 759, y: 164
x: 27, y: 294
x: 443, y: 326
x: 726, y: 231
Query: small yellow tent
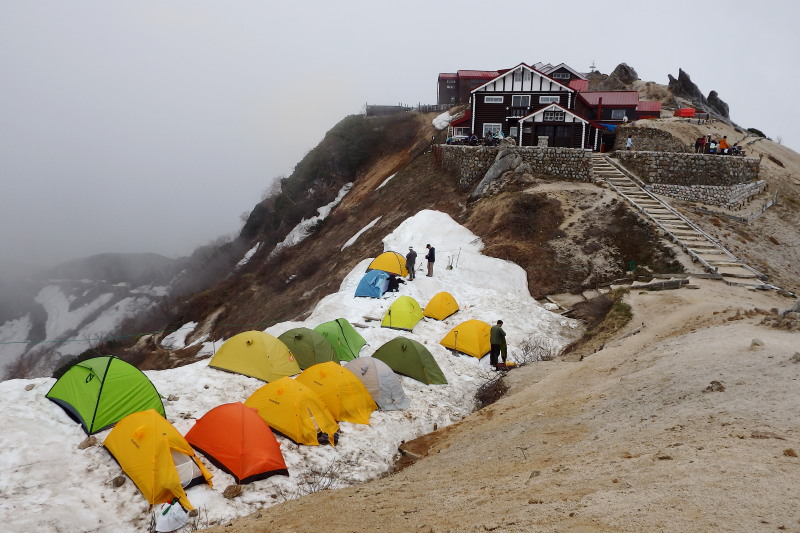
x: 156, y: 457
x: 390, y: 262
x: 470, y: 337
x: 404, y: 313
x: 441, y: 306
x: 294, y: 410
x: 256, y: 354
x: 343, y: 393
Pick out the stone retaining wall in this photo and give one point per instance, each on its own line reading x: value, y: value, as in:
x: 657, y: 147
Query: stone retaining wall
x: 470, y: 163
x: 690, y: 169
x: 726, y: 181
x: 649, y: 139
x: 733, y: 197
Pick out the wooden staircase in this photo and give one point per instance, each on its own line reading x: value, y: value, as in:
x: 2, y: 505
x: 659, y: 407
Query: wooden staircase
x: 703, y: 249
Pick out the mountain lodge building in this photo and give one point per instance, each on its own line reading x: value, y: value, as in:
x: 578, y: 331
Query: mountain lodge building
x: 549, y: 106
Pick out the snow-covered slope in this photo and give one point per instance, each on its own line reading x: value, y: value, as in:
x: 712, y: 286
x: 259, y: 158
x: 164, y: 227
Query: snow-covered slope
x: 49, y: 485
x: 69, y: 317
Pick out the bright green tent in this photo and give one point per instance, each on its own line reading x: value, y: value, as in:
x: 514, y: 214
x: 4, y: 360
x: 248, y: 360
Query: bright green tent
x: 404, y: 313
x: 308, y: 347
x: 345, y: 340
x: 411, y: 359
x: 101, y: 391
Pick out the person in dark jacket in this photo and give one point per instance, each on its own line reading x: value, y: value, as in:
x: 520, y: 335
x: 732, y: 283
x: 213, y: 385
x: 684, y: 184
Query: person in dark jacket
x: 497, y: 340
x: 431, y: 257
x: 394, y: 283
x: 411, y: 260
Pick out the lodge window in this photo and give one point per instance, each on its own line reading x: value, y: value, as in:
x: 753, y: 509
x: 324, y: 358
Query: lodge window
x: 561, y: 75
x: 461, y: 131
x: 521, y: 100
x: 554, y: 116
x: 492, y: 128
x: 512, y: 131
x: 527, y: 76
x: 549, y: 99
x: 518, y: 75
x: 617, y: 114
x: 493, y: 99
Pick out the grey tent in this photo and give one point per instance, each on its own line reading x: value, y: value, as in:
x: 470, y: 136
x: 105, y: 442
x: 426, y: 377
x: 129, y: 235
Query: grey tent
x: 382, y: 383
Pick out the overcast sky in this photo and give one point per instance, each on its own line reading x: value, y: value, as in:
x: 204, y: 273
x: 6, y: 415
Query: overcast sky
x: 151, y: 126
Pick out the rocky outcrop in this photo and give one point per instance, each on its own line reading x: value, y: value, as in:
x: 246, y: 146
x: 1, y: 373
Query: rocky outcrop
x: 684, y: 87
x: 721, y: 107
x: 620, y: 79
x: 625, y: 74
x: 506, y: 160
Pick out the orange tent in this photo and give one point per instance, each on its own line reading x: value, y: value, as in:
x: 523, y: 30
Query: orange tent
x: 237, y: 440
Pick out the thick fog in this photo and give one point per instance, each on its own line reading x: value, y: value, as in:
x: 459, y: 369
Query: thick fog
x: 152, y: 126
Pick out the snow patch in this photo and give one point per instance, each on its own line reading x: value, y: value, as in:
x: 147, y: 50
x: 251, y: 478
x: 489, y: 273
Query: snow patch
x: 38, y: 437
x: 355, y: 237
x: 303, y: 229
x: 177, y: 339
x: 247, y: 257
x: 442, y: 121
x: 384, y: 182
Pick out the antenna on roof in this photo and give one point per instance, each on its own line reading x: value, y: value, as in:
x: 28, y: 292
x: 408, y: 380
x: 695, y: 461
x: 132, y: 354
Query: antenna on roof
x: 592, y: 68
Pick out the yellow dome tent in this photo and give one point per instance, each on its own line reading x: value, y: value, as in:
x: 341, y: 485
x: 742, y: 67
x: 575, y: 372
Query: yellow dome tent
x: 256, y: 354
x: 390, y: 262
x: 404, y: 313
x: 295, y: 411
x: 156, y: 457
x: 470, y: 337
x: 441, y: 306
x: 343, y: 393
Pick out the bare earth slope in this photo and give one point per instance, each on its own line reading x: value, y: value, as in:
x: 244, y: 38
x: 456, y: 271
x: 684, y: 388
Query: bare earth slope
x: 636, y: 437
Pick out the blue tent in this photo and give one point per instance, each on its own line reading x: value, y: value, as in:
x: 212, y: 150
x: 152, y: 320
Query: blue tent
x: 373, y: 284
x: 609, y: 127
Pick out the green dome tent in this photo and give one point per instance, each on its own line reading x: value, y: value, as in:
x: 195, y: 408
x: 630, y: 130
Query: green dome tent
x: 411, y: 359
x: 345, y: 340
x: 404, y: 313
x: 308, y: 347
x: 101, y: 391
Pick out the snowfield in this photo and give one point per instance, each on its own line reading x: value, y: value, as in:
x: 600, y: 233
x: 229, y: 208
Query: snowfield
x: 49, y: 485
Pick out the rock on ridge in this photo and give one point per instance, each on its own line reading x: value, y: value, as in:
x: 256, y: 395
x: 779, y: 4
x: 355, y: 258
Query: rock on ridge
x: 684, y: 87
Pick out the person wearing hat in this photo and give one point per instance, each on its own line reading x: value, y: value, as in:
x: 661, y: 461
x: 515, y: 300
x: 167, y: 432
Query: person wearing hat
x: 411, y: 259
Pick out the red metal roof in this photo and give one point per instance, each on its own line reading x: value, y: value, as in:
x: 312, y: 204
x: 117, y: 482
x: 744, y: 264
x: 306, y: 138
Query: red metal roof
x: 447, y: 75
x: 477, y: 74
x: 649, y: 106
x: 579, y: 85
x: 612, y: 98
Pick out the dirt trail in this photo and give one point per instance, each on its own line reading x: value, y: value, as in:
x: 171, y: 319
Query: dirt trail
x: 637, y: 437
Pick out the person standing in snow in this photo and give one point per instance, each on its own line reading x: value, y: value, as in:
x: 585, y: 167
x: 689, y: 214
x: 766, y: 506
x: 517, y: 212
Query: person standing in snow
x: 411, y: 260
x: 431, y: 257
x: 497, y: 339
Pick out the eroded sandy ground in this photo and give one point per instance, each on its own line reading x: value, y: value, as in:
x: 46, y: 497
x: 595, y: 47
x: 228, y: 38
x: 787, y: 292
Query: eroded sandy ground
x: 636, y: 437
